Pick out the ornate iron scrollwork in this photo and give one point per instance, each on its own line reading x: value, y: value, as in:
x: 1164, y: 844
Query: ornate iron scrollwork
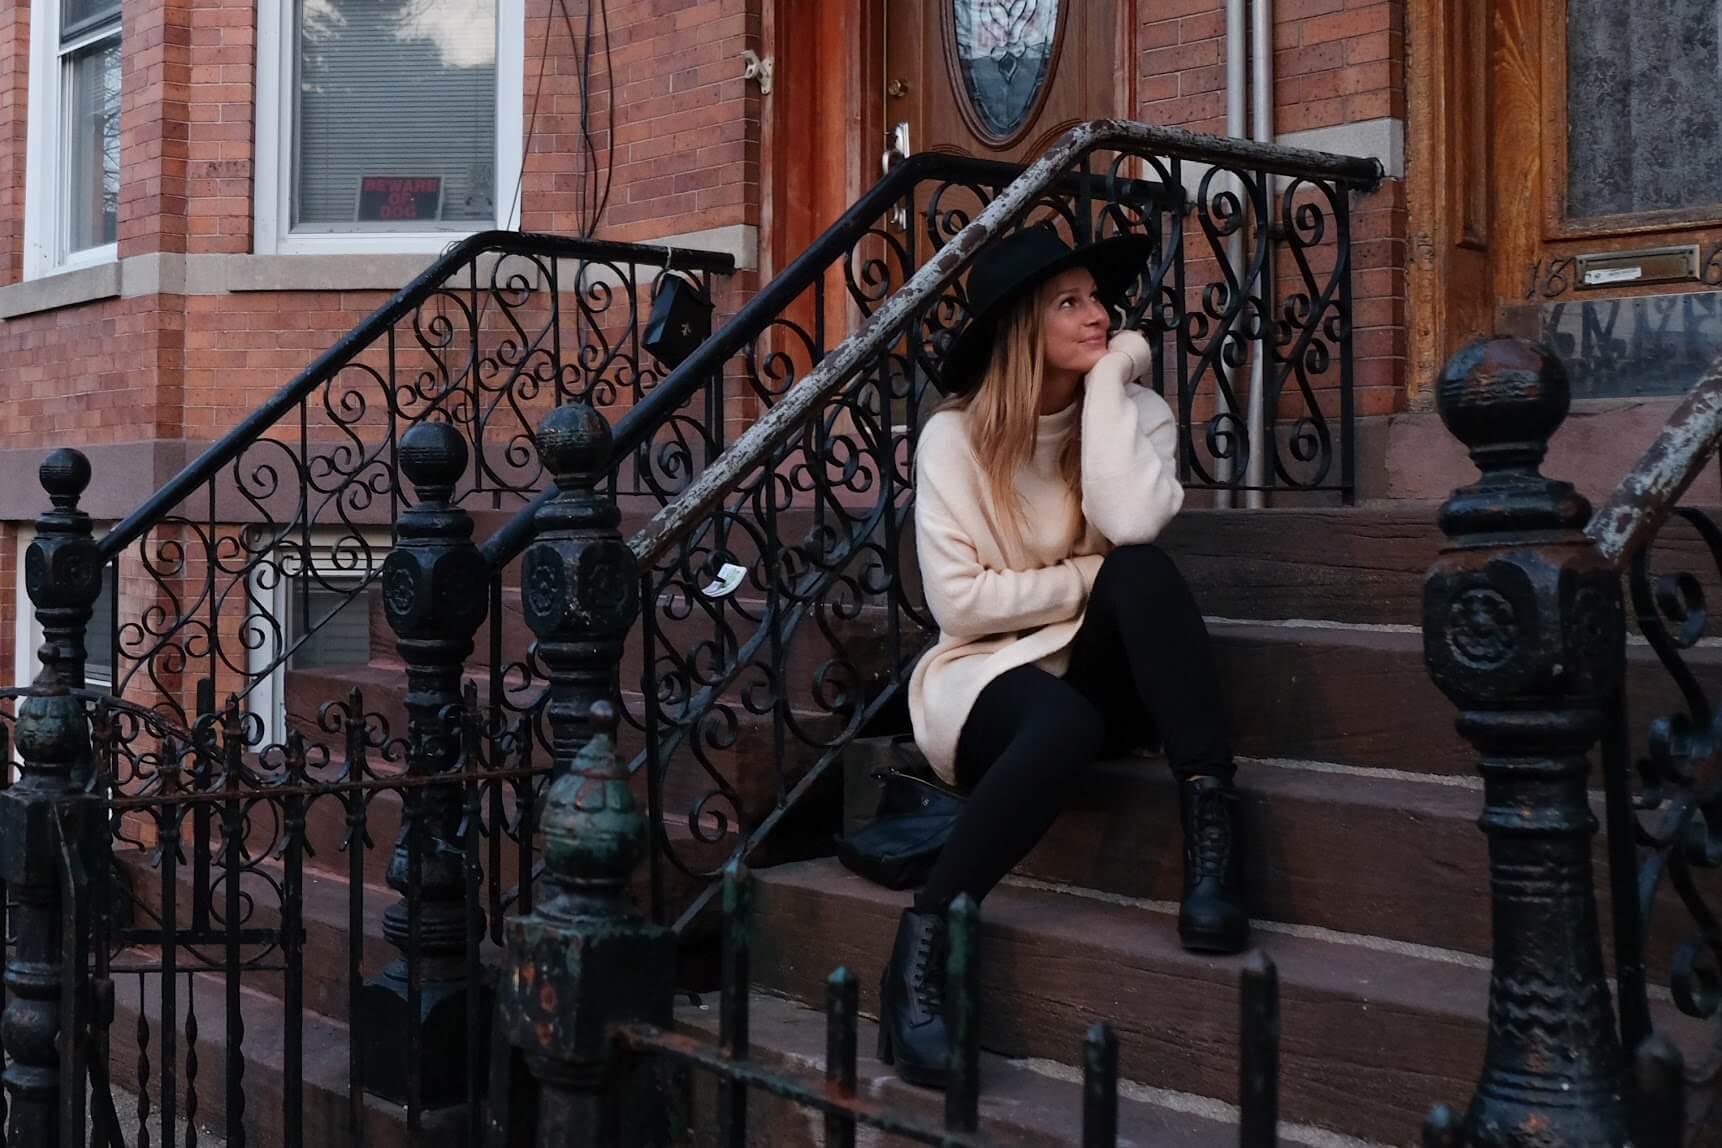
x: 1676, y: 813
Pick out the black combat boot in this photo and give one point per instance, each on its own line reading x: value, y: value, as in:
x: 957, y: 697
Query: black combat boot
x: 1211, y: 918
x: 912, y: 1002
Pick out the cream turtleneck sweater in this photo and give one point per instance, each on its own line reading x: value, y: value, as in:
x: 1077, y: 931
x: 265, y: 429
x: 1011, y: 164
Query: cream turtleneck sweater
x: 1000, y: 604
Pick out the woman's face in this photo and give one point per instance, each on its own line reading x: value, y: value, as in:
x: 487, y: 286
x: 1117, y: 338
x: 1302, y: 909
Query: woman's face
x: 1073, y: 322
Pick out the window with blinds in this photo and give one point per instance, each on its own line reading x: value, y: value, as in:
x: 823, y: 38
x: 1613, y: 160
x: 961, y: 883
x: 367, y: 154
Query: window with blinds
x: 337, y: 631
x: 394, y: 121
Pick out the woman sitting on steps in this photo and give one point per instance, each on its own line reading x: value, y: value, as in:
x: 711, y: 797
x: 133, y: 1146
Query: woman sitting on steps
x: 1064, y: 634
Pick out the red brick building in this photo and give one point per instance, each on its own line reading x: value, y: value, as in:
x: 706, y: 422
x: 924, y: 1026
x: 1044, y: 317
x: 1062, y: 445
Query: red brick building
x: 182, y: 225
x: 198, y: 198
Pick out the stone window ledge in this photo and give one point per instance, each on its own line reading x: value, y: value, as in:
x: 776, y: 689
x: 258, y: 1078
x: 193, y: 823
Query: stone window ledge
x: 175, y: 274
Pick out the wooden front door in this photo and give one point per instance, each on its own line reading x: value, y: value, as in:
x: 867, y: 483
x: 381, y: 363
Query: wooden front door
x: 1583, y: 184
x: 997, y: 78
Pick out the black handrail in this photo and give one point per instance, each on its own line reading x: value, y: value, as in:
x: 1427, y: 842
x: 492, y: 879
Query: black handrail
x: 639, y: 421
x: 324, y: 368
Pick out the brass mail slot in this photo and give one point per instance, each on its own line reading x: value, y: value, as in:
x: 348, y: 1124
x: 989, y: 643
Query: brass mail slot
x: 1650, y: 265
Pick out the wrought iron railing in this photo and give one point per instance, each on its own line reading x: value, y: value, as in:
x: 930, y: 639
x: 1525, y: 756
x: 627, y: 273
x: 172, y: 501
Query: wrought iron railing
x: 304, y: 493
x: 1665, y: 832
x: 190, y: 822
x: 748, y: 692
x: 1525, y: 627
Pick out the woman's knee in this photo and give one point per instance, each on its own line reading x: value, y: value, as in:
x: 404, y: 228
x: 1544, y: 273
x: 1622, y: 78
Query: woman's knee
x: 1142, y: 571
x: 1064, y: 727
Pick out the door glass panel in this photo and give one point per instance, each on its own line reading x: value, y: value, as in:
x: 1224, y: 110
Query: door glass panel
x: 1644, y: 106
x: 1004, y: 49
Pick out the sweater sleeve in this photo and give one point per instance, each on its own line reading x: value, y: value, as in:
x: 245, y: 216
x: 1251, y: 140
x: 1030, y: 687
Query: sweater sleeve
x: 971, y: 600
x: 1130, y: 487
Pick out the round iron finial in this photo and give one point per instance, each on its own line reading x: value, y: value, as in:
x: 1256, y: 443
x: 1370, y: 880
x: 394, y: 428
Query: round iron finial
x: 64, y: 474
x: 574, y: 439
x: 433, y: 457
x: 601, y: 716
x: 1504, y: 399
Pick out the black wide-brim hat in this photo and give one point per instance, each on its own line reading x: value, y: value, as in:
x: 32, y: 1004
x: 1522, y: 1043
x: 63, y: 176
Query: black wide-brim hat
x: 1011, y: 267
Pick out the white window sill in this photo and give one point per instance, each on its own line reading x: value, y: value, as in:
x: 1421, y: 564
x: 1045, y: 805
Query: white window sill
x: 371, y: 242
x: 61, y: 288
x: 161, y: 273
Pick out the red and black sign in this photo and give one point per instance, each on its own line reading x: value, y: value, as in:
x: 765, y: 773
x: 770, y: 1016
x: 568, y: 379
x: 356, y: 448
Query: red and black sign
x: 397, y: 198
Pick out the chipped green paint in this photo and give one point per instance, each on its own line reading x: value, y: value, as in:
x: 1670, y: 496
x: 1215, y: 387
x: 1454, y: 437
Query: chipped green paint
x: 585, y: 961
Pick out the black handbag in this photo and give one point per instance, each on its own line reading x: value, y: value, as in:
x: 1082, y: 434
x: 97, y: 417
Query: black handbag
x: 898, y: 846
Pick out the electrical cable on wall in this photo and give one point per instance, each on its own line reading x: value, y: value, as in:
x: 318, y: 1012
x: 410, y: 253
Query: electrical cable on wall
x: 591, y: 201
x: 586, y: 222
x: 587, y: 213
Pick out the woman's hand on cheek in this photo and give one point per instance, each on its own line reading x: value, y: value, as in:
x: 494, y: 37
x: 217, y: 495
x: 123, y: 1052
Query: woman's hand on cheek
x: 1131, y: 342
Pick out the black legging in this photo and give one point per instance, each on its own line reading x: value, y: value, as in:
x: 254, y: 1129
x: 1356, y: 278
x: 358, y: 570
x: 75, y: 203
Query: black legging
x: 1140, y: 664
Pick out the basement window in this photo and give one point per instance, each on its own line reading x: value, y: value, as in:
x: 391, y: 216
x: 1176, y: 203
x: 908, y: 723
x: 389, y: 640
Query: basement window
x: 311, y: 620
x: 327, y: 625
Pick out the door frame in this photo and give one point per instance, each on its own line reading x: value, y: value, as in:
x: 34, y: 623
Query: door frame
x: 822, y: 132
x: 1447, y: 180
x: 824, y: 127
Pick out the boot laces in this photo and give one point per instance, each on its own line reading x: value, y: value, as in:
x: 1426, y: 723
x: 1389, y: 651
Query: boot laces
x: 1211, y: 836
x: 929, y: 983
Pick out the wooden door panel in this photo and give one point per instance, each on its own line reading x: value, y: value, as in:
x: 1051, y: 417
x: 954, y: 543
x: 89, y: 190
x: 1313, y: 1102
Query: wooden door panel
x: 925, y: 84
x: 1599, y: 149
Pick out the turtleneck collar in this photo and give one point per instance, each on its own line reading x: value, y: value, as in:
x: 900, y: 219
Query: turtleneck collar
x: 1058, y: 424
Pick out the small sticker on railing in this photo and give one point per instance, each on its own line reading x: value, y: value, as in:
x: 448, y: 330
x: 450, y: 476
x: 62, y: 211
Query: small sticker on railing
x: 729, y: 577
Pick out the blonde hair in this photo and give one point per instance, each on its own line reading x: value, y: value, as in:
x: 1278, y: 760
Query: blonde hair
x: 1004, y: 412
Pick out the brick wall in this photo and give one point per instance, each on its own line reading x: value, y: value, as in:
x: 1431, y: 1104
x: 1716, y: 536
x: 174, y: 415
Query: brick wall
x: 220, y: 113
x: 155, y: 37
x: 90, y: 374
x: 14, y: 100
x: 1336, y: 62
x: 686, y: 151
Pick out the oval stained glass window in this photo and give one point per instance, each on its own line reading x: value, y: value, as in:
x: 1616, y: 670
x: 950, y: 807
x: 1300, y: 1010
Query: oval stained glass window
x: 1004, y: 51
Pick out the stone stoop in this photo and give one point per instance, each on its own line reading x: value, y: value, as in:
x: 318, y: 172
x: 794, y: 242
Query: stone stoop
x: 1373, y: 1032
x: 1366, y: 873
x: 1023, y: 1101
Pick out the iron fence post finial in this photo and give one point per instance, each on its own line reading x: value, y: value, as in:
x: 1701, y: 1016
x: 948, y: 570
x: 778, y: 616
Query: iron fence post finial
x: 41, y: 811
x: 585, y: 959
x: 1524, y: 630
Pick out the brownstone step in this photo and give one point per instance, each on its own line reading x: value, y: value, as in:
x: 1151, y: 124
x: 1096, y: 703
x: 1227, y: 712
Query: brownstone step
x: 1362, y: 696
x: 1373, y: 1032
x: 1026, y: 1104
x: 321, y: 1119
x: 1355, y: 851
x: 1346, y: 564
x: 1353, y: 564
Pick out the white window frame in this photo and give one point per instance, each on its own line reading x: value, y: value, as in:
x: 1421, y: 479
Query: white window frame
x: 268, y: 697
x: 44, y: 152
x: 273, y: 204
